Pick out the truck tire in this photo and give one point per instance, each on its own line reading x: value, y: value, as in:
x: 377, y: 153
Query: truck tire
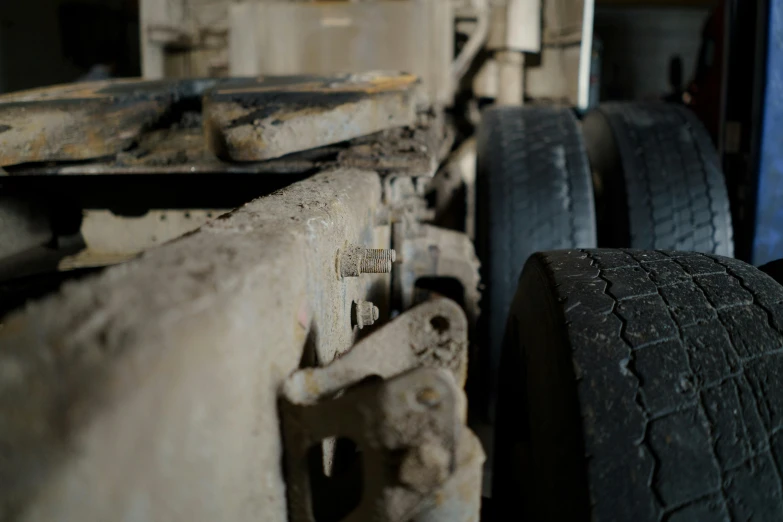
x: 660, y: 179
x: 534, y: 192
x: 641, y: 386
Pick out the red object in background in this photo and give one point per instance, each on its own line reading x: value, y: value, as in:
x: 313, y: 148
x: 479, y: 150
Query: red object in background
x: 704, y: 95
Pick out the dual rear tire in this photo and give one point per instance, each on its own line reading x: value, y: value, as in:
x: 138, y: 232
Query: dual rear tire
x: 607, y: 379
x: 631, y: 175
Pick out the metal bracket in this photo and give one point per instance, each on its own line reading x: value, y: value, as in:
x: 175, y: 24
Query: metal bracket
x: 406, y: 430
x: 425, y: 251
x: 428, y: 251
x: 412, y: 457
x: 433, y: 334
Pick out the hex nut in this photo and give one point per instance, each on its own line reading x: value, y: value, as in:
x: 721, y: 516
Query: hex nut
x: 365, y: 313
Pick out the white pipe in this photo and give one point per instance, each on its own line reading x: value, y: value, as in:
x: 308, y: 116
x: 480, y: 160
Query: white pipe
x: 475, y: 42
x: 586, y: 54
x: 511, y: 78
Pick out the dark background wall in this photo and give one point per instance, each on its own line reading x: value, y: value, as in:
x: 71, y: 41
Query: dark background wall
x: 638, y: 43
x: 44, y: 42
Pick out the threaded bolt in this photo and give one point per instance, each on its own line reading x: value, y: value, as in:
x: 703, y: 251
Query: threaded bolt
x: 381, y: 253
x: 365, y: 313
x: 356, y: 260
x: 376, y: 266
x: 378, y: 260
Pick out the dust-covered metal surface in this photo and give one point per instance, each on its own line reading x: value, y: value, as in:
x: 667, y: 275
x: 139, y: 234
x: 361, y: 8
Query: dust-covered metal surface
x: 110, y: 238
x: 78, y: 121
x: 180, y: 151
x: 459, y: 498
x: 416, y: 150
x: 415, y: 417
x: 273, y: 126
x: 154, y: 386
x: 397, y: 395
x: 433, y: 252
x: 259, y: 119
x: 407, y: 151
x: 157, y: 383
x: 433, y: 334
x: 418, y: 461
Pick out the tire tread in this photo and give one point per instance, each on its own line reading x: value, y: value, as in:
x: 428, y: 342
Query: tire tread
x: 691, y: 345
x: 666, y: 212
x: 535, y: 193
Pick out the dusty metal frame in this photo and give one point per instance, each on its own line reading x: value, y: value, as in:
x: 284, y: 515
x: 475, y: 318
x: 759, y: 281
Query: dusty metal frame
x: 408, y: 422
x: 204, y: 331
x: 174, y: 361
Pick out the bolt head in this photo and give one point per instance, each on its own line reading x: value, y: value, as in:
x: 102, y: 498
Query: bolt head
x: 349, y: 261
x: 428, y: 397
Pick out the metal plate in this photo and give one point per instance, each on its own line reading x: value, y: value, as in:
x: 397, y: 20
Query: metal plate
x: 406, y: 151
x: 249, y: 119
x: 78, y: 121
x: 270, y: 125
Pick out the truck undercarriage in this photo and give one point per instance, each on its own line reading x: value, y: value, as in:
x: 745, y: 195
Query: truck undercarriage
x: 258, y: 298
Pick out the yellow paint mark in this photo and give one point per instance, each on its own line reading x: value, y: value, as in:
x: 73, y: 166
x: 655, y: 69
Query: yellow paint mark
x: 74, y: 91
x: 373, y: 85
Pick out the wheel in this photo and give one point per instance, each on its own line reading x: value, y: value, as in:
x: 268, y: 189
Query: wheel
x: 641, y: 386
x: 659, y: 178
x: 534, y: 193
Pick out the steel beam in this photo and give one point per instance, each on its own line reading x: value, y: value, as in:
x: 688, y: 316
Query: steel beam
x: 150, y: 391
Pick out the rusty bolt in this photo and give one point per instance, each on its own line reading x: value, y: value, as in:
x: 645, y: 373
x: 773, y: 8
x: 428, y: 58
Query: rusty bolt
x: 365, y: 313
x: 356, y: 260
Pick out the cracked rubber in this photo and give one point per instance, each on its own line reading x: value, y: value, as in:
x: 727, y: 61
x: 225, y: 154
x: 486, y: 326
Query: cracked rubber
x: 534, y: 193
x: 661, y: 178
x: 641, y: 386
